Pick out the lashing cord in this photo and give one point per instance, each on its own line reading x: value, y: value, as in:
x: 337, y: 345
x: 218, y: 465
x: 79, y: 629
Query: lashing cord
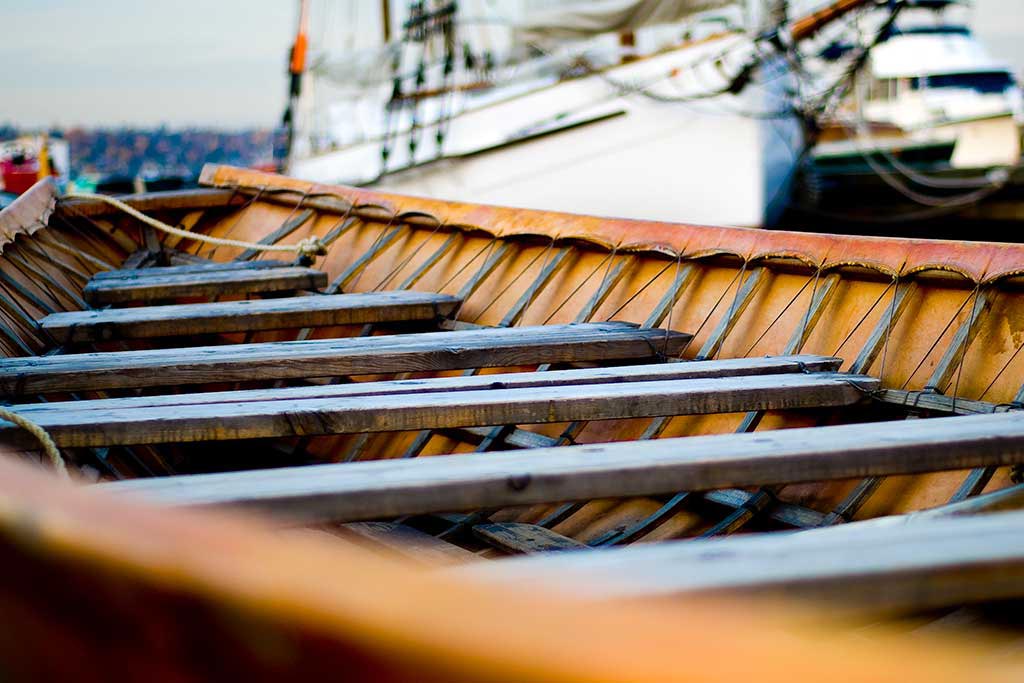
x: 309, y: 247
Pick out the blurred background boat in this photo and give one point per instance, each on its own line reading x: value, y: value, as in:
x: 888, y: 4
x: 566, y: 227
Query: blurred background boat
x: 708, y: 112
x: 27, y: 159
x: 672, y: 111
x: 931, y: 127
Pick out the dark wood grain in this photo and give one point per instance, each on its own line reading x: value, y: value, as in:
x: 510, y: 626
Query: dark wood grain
x: 493, y: 347
x: 189, y: 269
x: 385, y: 488
x: 246, y: 316
x: 205, y: 284
x: 441, y: 409
x: 736, y: 367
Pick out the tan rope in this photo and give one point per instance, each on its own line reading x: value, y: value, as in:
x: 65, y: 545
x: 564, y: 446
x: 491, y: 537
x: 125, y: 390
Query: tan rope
x: 49, y: 447
x: 310, y: 246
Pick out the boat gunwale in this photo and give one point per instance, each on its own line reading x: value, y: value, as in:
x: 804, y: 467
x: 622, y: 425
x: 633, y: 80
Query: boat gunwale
x: 979, y: 263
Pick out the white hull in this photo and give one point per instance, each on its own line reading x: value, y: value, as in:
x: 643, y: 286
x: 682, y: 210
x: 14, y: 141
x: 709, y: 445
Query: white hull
x: 583, y: 146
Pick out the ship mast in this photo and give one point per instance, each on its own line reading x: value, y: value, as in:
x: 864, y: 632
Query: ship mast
x: 385, y: 20
x: 809, y: 24
x: 296, y: 69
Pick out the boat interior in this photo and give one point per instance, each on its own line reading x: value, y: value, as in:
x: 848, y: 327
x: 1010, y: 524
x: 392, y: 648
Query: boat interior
x: 447, y: 405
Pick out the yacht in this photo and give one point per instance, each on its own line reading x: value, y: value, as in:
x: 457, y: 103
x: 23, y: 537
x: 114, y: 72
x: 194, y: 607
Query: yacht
x: 674, y: 111
x: 934, y: 121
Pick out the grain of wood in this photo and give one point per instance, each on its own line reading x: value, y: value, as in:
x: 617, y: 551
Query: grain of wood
x: 378, y: 489
x: 208, y: 284
x: 192, y: 269
x: 886, y: 565
x: 430, y: 351
x: 246, y: 316
x: 734, y: 367
x: 440, y: 410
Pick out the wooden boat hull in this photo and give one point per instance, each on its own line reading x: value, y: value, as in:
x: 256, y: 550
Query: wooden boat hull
x: 191, y: 594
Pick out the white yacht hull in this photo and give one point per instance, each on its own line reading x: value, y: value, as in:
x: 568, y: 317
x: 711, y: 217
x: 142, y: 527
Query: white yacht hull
x: 587, y: 146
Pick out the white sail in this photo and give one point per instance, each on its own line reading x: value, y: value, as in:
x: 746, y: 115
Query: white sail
x: 579, y: 20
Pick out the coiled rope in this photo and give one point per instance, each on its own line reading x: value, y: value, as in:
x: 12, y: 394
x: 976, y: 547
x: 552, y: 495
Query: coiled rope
x: 309, y: 247
x: 45, y: 440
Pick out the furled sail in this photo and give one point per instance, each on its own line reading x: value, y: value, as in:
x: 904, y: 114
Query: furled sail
x: 578, y: 20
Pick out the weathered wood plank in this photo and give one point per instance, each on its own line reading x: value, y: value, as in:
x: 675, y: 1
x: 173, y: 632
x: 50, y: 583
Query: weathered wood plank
x: 379, y: 489
x: 883, y: 565
x: 207, y: 284
x: 440, y: 410
x: 735, y: 367
x: 518, y: 538
x: 246, y: 316
x: 929, y: 400
x: 430, y: 351
x: 192, y: 269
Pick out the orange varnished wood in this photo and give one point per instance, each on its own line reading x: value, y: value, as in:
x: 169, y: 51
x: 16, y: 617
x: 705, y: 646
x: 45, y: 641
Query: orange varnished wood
x: 945, y: 274
x: 196, y: 596
x: 98, y: 589
x: 977, y: 261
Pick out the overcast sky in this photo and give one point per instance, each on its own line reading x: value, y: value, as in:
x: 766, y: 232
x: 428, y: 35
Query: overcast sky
x: 205, y: 62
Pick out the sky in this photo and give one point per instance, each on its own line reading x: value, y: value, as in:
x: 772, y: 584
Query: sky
x: 218, y: 63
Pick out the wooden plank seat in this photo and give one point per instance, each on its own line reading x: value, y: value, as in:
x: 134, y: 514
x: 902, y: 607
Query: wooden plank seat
x: 388, y: 488
x: 157, y: 285
x: 247, y: 316
x: 733, y: 367
x: 438, y: 410
x: 893, y: 563
x: 194, y: 269
x: 421, y: 352
x: 442, y: 409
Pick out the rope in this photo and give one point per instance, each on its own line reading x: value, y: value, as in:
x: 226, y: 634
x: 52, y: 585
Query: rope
x: 49, y: 447
x: 310, y: 246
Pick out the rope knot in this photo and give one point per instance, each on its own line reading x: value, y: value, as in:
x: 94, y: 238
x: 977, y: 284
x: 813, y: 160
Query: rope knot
x: 311, y: 246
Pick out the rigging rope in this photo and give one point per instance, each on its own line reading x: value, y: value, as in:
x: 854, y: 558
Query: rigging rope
x: 309, y: 246
x: 45, y: 440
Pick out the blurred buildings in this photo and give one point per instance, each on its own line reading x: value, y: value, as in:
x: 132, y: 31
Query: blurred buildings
x: 123, y: 154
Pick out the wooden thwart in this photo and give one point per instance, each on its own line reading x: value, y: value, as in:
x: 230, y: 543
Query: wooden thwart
x: 206, y: 283
x: 880, y: 565
x: 385, y: 488
x: 429, y: 351
x: 444, y: 409
x: 247, y: 316
x: 734, y: 367
x: 192, y: 269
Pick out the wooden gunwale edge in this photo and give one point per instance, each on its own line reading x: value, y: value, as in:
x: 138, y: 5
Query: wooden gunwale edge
x: 975, y: 262
x: 442, y: 628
